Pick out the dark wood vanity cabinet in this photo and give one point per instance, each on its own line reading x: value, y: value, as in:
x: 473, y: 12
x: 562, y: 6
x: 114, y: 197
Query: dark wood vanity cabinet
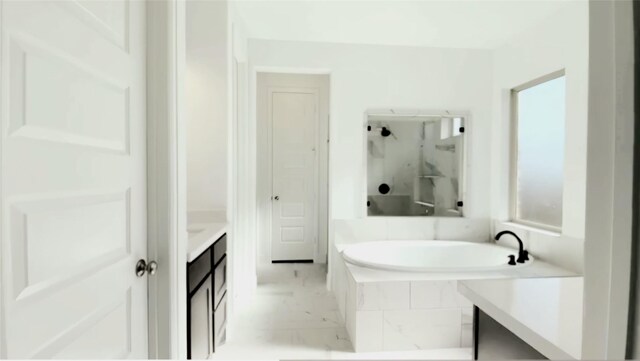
x: 220, y: 292
x: 207, y: 301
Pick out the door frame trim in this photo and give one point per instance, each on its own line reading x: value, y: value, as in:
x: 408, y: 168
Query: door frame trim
x: 609, y: 181
x: 3, y: 347
x: 166, y: 179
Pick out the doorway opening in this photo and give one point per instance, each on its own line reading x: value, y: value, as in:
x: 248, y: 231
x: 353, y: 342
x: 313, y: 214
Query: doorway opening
x: 292, y: 116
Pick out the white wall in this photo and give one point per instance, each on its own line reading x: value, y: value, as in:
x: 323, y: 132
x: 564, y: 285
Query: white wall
x: 369, y: 76
x: 559, y: 42
x: 206, y: 97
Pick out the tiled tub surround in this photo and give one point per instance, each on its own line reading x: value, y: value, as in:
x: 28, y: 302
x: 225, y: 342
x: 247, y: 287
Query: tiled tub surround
x: 402, y: 315
x: 396, y: 311
x: 393, y: 310
x: 399, y: 316
x: 293, y: 316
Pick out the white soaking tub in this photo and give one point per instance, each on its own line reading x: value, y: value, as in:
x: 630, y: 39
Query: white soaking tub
x: 432, y: 256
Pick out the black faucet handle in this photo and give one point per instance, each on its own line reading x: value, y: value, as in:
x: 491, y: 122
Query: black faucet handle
x: 512, y: 260
x: 523, y: 256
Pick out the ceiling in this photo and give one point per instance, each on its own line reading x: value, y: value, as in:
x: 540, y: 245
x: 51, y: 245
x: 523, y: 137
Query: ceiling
x: 481, y: 24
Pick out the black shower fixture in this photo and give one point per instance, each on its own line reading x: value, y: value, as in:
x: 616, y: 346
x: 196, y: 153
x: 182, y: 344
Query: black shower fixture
x: 385, y: 132
x: 384, y: 188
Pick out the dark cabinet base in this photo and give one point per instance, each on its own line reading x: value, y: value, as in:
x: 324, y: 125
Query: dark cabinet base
x: 207, y: 301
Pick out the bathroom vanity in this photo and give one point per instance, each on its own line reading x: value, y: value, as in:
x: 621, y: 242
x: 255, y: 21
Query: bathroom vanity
x: 206, y: 289
x: 526, y: 318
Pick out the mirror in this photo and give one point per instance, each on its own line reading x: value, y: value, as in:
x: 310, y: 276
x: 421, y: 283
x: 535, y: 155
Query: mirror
x: 414, y: 164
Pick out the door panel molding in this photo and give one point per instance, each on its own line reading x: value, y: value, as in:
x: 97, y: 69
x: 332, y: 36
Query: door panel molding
x: 68, y: 215
x: 119, y: 37
x: 36, y: 112
x: 56, y: 347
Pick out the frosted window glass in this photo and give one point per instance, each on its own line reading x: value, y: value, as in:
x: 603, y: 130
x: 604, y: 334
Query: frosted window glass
x: 540, y: 165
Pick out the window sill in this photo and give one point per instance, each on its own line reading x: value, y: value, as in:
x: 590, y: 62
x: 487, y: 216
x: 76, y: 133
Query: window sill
x: 529, y: 228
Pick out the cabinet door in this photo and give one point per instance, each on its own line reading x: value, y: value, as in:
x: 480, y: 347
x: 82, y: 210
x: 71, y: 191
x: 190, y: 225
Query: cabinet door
x: 220, y: 323
x: 219, y: 281
x: 199, y: 269
x: 201, y: 337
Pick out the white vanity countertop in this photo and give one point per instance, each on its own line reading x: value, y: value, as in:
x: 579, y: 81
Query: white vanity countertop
x: 545, y: 312
x: 202, y: 236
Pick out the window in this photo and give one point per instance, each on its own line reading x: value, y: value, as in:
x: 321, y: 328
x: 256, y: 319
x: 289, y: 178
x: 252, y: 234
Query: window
x: 539, y: 123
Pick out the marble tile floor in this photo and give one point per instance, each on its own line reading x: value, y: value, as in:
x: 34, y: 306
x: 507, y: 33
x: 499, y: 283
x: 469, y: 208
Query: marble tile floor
x: 293, y: 316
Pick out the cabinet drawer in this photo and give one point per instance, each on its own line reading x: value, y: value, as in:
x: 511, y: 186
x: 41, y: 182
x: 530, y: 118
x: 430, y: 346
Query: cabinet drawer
x: 220, y: 323
x: 219, y: 249
x: 199, y: 269
x: 219, y: 282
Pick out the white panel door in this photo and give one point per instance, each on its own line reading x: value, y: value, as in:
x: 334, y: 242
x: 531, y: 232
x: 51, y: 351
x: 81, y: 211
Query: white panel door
x: 73, y: 200
x: 294, y: 121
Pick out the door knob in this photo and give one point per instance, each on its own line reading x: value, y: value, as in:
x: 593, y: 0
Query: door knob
x: 142, y: 267
x: 152, y: 267
x: 276, y: 198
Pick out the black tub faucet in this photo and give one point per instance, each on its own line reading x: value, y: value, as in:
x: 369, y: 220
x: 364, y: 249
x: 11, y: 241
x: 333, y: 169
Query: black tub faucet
x: 523, y: 254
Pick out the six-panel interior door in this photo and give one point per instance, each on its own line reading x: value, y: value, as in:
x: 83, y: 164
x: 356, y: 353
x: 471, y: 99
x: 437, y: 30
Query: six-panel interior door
x: 73, y: 179
x: 294, y: 121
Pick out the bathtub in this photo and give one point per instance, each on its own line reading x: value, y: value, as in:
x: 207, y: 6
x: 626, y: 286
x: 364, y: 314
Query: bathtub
x: 431, y: 256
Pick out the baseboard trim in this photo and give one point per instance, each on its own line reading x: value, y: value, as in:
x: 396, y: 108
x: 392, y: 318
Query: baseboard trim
x: 293, y: 261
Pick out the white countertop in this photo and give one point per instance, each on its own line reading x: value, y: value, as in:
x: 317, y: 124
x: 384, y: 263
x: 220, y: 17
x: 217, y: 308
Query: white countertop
x: 202, y: 236
x: 545, y: 312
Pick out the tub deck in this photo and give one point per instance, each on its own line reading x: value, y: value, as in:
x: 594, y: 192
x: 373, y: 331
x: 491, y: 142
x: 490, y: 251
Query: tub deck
x: 537, y: 269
